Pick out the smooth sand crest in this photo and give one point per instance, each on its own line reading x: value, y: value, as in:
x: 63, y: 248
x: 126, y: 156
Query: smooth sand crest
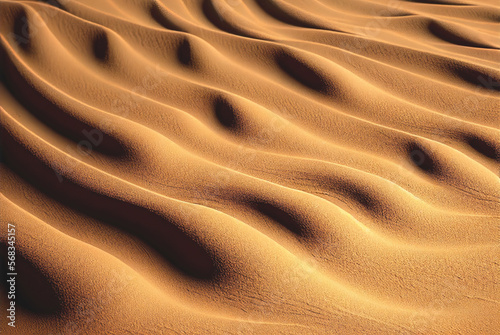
x: 251, y: 166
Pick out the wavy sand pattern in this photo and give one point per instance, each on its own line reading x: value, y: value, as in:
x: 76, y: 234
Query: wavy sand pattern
x: 252, y: 166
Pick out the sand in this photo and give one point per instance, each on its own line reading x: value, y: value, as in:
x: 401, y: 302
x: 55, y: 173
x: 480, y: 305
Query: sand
x: 251, y: 166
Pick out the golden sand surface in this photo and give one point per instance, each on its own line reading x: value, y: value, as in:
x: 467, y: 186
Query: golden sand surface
x: 250, y: 166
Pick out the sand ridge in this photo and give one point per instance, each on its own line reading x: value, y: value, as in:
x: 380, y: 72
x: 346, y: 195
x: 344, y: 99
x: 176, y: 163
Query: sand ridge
x: 252, y: 166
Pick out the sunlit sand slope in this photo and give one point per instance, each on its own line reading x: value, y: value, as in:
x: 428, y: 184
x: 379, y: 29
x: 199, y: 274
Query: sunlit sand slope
x: 251, y: 166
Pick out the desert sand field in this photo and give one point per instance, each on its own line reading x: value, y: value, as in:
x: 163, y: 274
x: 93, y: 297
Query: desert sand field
x: 250, y: 167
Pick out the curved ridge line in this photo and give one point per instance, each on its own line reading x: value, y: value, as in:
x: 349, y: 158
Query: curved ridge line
x: 178, y: 302
x: 225, y: 167
x: 386, y: 239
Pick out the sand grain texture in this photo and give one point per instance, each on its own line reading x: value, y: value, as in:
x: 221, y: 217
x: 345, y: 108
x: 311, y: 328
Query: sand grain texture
x: 251, y: 166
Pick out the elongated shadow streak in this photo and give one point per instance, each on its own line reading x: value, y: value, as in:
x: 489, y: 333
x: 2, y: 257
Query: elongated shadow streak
x: 33, y: 290
x: 157, y: 230
x: 53, y: 115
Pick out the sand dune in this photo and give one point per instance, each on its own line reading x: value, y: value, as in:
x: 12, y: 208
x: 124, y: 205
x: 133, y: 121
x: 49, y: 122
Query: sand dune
x: 251, y: 166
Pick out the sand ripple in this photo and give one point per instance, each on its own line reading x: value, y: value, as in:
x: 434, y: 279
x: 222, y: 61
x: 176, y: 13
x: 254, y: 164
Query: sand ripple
x: 252, y: 166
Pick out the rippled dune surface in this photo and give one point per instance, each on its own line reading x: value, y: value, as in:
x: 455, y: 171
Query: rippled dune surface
x: 251, y: 166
